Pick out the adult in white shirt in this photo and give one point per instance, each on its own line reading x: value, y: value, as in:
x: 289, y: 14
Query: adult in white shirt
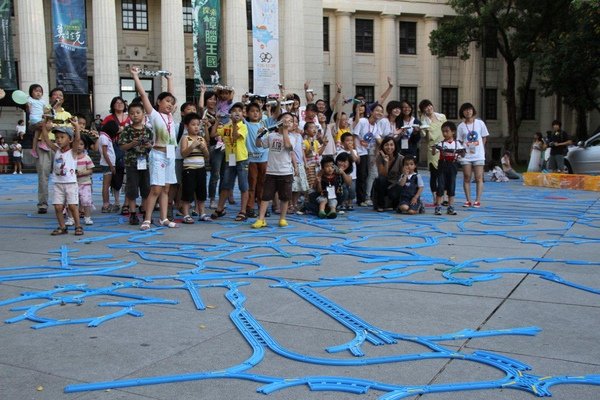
x: 472, y: 133
x: 367, y: 135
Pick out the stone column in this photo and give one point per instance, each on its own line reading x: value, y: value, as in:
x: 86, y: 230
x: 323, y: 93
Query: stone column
x: 388, y: 53
x: 430, y: 68
x: 33, y: 58
x: 172, y: 47
x: 106, y: 63
x: 547, y: 114
x: 235, y: 46
x: 343, y: 53
x: 293, y: 57
x: 470, y: 80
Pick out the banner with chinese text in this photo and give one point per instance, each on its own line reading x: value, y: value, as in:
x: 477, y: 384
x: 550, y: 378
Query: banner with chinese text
x: 207, y: 54
x: 8, y: 74
x: 69, y: 38
x: 265, y: 41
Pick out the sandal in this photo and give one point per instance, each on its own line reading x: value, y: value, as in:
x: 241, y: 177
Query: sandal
x: 241, y: 217
x: 188, y: 220
x: 78, y: 231
x: 168, y: 224
x: 145, y: 225
x: 106, y: 209
x: 60, y: 231
x: 125, y: 210
x: 205, y: 218
x: 218, y: 214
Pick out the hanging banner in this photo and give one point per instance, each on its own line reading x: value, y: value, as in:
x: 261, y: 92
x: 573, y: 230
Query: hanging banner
x: 8, y: 74
x: 70, y: 45
x: 207, y: 54
x: 265, y: 40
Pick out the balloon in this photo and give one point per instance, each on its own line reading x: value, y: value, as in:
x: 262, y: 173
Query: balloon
x: 19, y: 97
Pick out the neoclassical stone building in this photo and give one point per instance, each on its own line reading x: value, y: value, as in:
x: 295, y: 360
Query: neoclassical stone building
x: 356, y: 43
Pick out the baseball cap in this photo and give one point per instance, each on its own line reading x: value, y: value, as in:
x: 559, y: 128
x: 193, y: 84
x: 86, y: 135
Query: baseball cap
x: 63, y: 129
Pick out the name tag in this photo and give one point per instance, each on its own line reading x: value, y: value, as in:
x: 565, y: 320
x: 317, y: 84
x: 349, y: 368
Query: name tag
x: 141, y: 163
x: 232, y: 160
x: 331, y: 193
x: 404, y: 144
x: 170, y: 151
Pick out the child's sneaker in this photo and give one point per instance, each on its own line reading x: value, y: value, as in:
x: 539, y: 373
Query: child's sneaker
x: 260, y: 223
x: 322, y: 214
x: 438, y: 210
x: 451, y: 211
x: 89, y: 221
x: 282, y: 223
x: 332, y: 214
x: 70, y: 221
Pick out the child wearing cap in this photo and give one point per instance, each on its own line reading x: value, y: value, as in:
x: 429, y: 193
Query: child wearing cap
x: 64, y: 170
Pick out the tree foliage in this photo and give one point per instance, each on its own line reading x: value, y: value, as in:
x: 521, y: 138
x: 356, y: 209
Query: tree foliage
x: 520, y: 26
x: 569, y: 62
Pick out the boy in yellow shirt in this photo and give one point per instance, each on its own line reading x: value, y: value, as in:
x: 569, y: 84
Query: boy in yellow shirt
x: 234, y: 135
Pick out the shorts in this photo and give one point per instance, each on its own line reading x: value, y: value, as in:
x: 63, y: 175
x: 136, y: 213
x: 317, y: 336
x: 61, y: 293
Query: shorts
x: 473, y: 163
x: 162, y: 169
x: 282, y: 184
x: 65, y: 193
x: 300, y: 183
x: 117, y: 179
x: 105, y: 169
x: 85, y: 195
x: 241, y: 172
x: 17, y: 159
x: 193, y: 185
x: 138, y: 180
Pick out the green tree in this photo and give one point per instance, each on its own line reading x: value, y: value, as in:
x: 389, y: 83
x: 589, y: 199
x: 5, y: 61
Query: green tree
x: 569, y: 61
x: 519, y: 26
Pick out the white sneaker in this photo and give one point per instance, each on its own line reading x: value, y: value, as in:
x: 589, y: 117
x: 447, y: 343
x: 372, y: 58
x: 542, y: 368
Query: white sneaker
x: 213, y: 205
x: 88, y: 220
x: 369, y: 203
x: 20, y: 172
x: 14, y: 173
x: 70, y: 221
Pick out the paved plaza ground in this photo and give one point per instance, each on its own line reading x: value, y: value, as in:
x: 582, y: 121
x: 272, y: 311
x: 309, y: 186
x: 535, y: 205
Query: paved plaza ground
x: 501, y: 302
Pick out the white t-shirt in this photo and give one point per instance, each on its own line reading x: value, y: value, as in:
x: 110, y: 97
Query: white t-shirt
x: 280, y: 158
x: 366, y: 131
x: 104, y: 140
x: 17, y: 150
x: 64, y: 168
x: 298, y: 145
x: 36, y: 109
x: 386, y: 127
x: 163, y: 128
x: 471, y: 136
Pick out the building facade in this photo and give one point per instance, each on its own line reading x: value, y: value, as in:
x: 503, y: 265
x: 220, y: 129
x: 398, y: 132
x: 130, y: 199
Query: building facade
x: 358, y: 44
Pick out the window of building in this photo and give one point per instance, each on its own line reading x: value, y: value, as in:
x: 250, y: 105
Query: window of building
x: 135, y: 15
x: 327, y: 93
x: 325, y: 33
x: 490, y: 47
x: 450, y: 102
x: 249, y: 15
x: 528, y: 106
x: 408, y: 37
x: 409, y: 93
x: 188, y: 16
x: 128, y: 92
x: 367, y: 91
x: 364, y: 35
x: 491, y: 104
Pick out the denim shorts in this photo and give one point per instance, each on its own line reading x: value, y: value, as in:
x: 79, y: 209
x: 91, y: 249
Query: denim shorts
x: 241, y: 172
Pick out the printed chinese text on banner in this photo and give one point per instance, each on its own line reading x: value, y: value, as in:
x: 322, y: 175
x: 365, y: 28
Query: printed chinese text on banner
x: 70, y: 45
x: 8, y: 75
x: 265, y: 40
x: 207, y: 54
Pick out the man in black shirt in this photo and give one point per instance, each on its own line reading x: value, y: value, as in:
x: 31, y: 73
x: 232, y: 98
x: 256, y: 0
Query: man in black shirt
x: 559, y: 142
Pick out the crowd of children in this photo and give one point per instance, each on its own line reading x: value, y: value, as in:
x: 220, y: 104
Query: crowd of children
x: 298, y: 159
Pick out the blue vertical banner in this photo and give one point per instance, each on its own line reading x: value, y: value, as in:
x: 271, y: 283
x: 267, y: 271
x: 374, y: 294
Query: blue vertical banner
x: 207, y: 52
x: 70, y: 45
x: 8, y: 74
x: 265, y: 44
